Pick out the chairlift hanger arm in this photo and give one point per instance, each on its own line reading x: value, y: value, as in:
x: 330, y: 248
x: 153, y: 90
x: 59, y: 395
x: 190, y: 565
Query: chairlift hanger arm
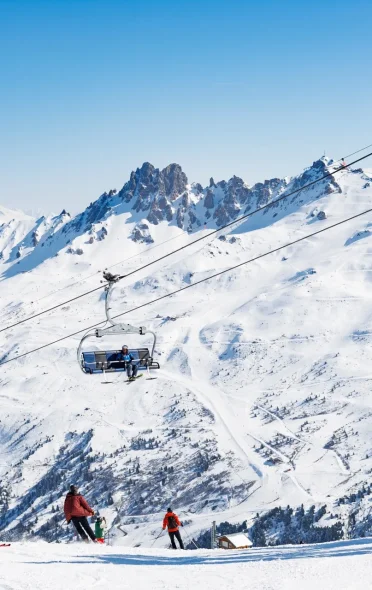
x: 109, y: 287
x: 114, y: 329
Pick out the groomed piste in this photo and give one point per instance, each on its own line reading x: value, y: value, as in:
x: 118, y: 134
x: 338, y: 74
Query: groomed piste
x: 343, y: 565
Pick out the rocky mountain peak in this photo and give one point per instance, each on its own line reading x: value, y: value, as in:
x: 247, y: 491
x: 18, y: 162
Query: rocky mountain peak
x: 153, y: 196
x: 175, y: 181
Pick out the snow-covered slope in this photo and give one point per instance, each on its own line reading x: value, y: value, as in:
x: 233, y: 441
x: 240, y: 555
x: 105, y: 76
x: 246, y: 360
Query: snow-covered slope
x: 335, y: 566
x: 14, y: 226
x: 149, y: 198
x: 263, y: 396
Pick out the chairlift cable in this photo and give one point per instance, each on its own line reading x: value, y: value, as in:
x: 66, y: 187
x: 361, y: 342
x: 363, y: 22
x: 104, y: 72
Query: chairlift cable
x: 142, y: 252
x: 83, y: 279
x: 244, y: 263
x: 357, y: 152
x: 86, y: 292
x: 214, y: 232
x: 250, y: 214
x: 87, y: 328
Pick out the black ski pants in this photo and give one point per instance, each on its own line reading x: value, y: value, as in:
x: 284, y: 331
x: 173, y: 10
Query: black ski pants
x: 83, y: 527
x: 177, y: 535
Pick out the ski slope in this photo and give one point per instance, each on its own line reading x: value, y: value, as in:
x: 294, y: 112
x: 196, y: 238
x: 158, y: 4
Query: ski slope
x: 335, y: 566
x: 263, y: 397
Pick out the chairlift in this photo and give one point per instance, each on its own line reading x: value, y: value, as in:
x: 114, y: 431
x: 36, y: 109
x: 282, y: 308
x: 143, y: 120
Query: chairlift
x: 108, y: 361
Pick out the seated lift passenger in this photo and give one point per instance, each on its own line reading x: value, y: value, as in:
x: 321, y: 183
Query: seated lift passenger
x: 129, y: 361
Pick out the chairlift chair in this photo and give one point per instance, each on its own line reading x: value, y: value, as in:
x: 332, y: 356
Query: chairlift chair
x: 107, y: 361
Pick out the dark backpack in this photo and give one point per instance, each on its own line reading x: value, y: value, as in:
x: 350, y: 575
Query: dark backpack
x: 172, y: 523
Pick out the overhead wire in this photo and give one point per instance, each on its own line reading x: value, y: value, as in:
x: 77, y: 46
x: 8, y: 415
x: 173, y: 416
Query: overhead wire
x: 86, y: 278
x: 86, y: 292
x: 250, y: 214
x: 356, y: 152
x: 181, y: 289
x: 214, y: 232
x: 142, y: 252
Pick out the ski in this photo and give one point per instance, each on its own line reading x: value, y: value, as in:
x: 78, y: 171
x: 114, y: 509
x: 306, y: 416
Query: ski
x: 133, y: 379
x: 4, y: 544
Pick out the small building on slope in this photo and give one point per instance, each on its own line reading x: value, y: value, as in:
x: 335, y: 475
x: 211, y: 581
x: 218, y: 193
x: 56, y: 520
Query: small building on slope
x: 235, y: 541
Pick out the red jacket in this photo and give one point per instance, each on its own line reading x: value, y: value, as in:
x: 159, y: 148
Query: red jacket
x: 76, y: 505
x: 165, y: 522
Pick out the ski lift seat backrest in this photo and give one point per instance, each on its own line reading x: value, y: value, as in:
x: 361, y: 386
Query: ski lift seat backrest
x: 108, y: 361
x: 101, y: 360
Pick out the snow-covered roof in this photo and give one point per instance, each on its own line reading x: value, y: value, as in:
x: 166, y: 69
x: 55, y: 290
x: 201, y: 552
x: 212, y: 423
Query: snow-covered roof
x: 238, y: 539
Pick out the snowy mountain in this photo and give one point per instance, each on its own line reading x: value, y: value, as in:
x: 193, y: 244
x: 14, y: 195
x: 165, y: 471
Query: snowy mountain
x: 263, y: 396
x: 150, y: 197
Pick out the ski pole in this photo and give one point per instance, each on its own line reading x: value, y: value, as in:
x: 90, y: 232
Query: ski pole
x: 154, y: 541
x: 192, y: 540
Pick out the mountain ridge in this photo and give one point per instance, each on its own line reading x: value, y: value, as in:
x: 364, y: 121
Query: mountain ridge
x: 151, y: 196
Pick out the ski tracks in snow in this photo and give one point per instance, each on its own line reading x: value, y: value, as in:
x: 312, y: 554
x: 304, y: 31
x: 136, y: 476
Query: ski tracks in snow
x: 218, y: 403
x: 205, y: 392
x: 343, y: 469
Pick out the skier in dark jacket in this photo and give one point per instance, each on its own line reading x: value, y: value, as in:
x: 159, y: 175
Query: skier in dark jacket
x: 77, y: 509
x: 129, y: 361
x: 172, y: 521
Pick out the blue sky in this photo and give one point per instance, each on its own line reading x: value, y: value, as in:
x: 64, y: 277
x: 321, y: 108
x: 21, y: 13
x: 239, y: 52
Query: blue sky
x: 91, y: 89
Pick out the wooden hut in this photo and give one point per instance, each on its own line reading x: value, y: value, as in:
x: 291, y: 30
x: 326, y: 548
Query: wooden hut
x: 235, y: 541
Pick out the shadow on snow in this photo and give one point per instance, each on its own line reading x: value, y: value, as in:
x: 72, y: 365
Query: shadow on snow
x: 320, y: 551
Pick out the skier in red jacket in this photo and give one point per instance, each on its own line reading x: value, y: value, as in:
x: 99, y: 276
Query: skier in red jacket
x: 172, y: 521
x: 77, y: 509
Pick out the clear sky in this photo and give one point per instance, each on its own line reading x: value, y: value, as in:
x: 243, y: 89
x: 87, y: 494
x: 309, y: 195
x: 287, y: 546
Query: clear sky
x: 90, y: 89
